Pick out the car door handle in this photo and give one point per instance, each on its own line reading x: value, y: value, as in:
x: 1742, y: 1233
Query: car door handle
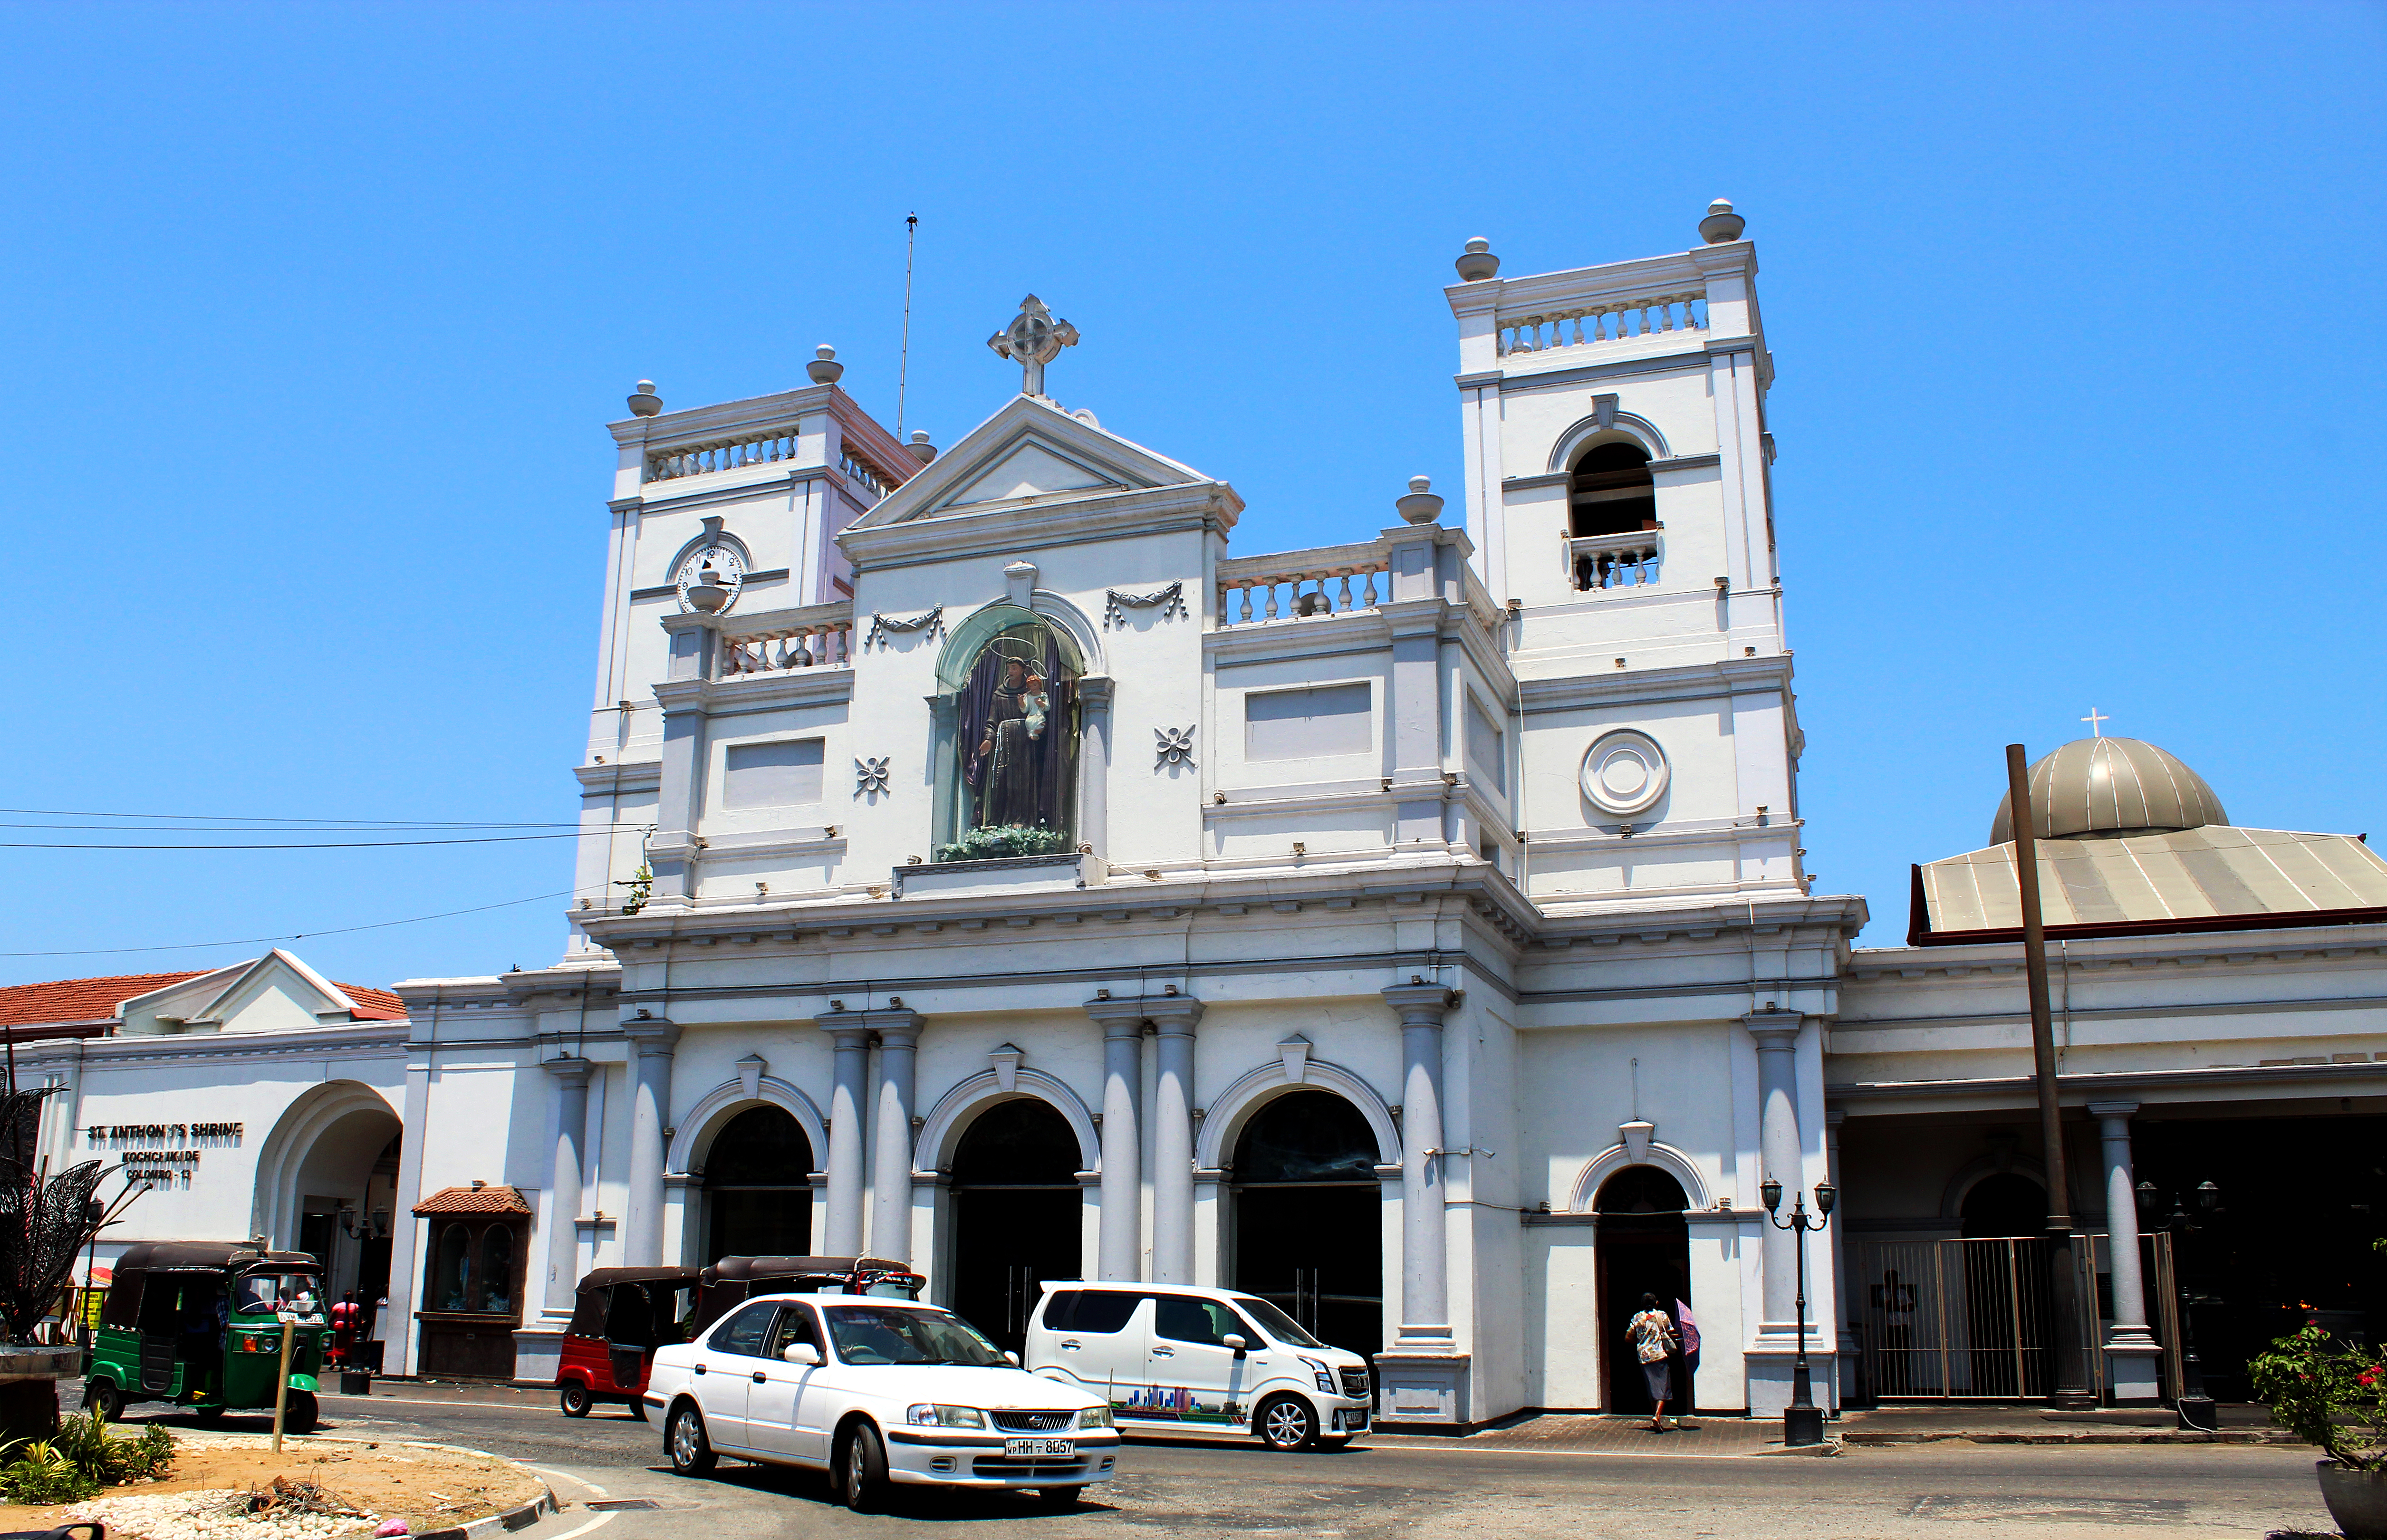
x: 760, y: 1377
x: 1073, y: 1345
x: 700, y: 1368
x: 1164, y: 1352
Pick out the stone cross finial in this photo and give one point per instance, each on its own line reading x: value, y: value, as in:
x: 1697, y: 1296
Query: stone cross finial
x: 1034, y: 338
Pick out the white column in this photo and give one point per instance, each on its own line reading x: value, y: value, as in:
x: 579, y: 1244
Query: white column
x: 891, y: 1120
x: 2130, y: 1348
x: 1121, y: 1248
x: 1095, y: 761
x: 849, y: 1093
x: 1778, y: 1160
x: 564, y: 1185
x: 1173, y: 1141
x: 642, y: 1226
x: 1425, y: 1309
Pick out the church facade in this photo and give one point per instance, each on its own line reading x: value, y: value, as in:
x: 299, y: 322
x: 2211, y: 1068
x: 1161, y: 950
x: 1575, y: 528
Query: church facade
x: 1039, y: 887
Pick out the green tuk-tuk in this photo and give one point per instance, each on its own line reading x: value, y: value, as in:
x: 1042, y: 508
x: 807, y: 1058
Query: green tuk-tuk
x: 200, y: 1323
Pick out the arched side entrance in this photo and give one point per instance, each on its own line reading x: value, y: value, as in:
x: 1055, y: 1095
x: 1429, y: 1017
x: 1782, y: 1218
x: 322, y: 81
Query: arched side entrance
x: 758, y: 1195
x: 1308, y: 1216
x: 327, y: 1181
x: 1641, y: 1246
x: 1019, y: 1214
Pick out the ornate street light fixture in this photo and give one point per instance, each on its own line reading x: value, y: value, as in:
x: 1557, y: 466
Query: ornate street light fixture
x: 1802, y: 1421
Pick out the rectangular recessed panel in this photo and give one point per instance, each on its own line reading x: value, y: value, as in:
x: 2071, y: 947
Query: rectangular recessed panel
x: 1303, y: 724
x: 1484, y: 748
x: 772, y: 775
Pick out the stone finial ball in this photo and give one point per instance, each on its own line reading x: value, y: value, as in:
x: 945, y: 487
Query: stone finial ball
x: 644, y: 403
x: 1420, y: 507
x: 1478, y: 263
x: 825, y: 369
x: 1722, y: 224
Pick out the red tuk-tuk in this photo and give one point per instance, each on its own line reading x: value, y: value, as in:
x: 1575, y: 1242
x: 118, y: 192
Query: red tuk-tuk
x: 621, y: 1317
x: 732, y: 1281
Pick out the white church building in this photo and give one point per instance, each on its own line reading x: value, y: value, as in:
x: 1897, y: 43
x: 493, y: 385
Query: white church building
x: 1009, y: 877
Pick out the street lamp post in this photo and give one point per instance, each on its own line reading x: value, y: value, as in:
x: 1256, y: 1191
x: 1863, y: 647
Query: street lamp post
x: 2196, y: 1413
x: 1802, y: 1421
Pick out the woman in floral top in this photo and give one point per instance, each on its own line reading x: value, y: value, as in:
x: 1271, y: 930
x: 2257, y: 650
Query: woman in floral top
x: 1653, y: 1340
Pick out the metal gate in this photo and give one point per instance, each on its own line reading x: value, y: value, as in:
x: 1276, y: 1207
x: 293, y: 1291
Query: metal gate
x: 1965, y: 1319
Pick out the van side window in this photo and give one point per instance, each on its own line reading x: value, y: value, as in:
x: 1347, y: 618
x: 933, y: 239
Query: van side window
x: 744, y: 1332
x: 1061, y: 1309
x: 1103, y: 1310
x: 1181, y: 1319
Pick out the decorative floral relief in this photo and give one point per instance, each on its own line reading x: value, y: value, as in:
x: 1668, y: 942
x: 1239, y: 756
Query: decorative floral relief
x: 1176, y: 746
x: 1171, y: 598
x: 869, y: 775
x: 884, y: 628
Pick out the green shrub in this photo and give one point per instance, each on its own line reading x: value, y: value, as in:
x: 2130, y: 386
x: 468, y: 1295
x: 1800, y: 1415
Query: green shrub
x: 2333, y: 1398
x: 999, y: 840
x: 42, y: 1474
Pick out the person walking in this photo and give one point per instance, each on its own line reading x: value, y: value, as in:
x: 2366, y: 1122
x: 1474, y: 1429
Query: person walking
x: 1652, y: 1333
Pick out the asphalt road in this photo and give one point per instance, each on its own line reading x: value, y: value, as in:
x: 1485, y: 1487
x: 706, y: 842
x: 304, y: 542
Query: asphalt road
x: 1928, y: 1492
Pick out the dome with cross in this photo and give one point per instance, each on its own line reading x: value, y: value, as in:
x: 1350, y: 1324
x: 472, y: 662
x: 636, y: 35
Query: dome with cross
x: 2104, y: 787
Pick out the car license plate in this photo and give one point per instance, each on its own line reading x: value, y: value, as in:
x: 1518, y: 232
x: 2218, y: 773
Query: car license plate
x: 1039, y: 1448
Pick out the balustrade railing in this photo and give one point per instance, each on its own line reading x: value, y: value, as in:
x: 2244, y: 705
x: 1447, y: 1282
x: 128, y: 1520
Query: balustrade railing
x: 722, y: 454
x: 1332, y: 580
x: 1628, y: 561
x: 864, y: 473
x: 1607, y: 322
x: 784, y: 648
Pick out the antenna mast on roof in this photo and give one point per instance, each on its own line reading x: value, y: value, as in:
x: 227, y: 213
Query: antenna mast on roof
x: 903, y: 366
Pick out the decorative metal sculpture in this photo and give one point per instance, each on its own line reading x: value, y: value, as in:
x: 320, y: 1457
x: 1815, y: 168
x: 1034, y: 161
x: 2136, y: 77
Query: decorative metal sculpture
x: 1171, y: 601
x: 1176, y: 746
x: 869, y: 775
x: 884, y: 627
x: 1034, y: 338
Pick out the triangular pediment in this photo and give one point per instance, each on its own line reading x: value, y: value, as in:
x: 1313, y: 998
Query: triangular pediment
x: 1031, y: 469
x: 1029, y: 453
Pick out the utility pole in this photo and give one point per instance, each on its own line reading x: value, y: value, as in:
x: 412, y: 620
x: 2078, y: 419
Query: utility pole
x: 903, y: 364
x: 2071, y: 1376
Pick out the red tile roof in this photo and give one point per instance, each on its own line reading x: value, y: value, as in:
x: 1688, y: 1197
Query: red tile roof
x: 65, y: 1000
x: 450, y: 1200
x: 79, y: 999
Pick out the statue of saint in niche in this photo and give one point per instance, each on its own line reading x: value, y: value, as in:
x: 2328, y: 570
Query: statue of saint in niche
x: 1018, y: 743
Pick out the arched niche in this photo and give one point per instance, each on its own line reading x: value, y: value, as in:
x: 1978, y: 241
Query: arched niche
x: 941, y: 1130
x: 1974, y: 1172
x: 1233, y: 1107
x: 701, y: 1123
x: 1616, y: 1158
x: 1621, y: 428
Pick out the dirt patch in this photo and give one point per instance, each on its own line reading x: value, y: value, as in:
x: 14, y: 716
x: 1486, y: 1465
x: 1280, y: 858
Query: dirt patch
x: 430, y: 1488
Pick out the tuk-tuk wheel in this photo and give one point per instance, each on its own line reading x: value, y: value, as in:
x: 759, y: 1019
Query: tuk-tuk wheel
x: 574, y: 1396
x: 298, y: 1413
x: 102, y: 1396
x: 210, y: 1414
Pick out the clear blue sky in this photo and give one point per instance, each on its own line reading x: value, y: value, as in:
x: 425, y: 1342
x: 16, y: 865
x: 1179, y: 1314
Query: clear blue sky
x: 315, y: 314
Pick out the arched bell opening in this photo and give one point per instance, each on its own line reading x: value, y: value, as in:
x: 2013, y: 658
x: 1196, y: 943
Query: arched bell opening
x: 1019, y: 1214
x: 1641, y: 1247
x: 1308, y: 1217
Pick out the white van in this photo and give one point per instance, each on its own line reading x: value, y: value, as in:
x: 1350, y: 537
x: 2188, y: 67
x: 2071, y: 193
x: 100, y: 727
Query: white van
x: 1198, y: 1363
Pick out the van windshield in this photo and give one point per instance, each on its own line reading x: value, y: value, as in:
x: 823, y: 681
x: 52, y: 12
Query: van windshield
x: 1275, y: 1322
x: 875, y: 1334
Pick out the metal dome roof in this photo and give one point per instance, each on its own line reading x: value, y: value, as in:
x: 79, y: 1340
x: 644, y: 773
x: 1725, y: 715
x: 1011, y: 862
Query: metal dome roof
x: 2093, y: 787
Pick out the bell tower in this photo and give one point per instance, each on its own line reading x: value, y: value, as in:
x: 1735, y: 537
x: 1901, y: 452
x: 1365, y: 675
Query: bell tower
x: 1617, y: 490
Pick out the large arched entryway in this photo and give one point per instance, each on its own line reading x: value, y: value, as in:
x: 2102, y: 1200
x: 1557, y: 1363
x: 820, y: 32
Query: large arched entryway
x: 1308, y: 1217
x: 1642, y: 1245
x: 758, y: 1195
x: 1018, y: 1215
x: 2008, y: 1311
x: 327, y: 1184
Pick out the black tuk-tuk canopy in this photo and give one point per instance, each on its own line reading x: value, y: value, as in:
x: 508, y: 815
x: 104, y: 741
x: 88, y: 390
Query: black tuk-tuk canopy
x: 208, y: 1256
x: 630, y: 1305
x: 749, y: 1268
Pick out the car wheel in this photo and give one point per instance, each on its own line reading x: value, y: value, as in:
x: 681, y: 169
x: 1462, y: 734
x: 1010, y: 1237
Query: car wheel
x: 1060, y: 1496
x: 865, y: 1470
x: 1287, y: 1424
x: 691, y: 1452
x: 299, y: 1412
x: 103, y: 1397
x: 574, y: 1396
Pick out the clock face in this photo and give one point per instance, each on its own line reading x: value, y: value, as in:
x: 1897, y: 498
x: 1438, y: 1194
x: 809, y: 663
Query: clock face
x: 728, y: 571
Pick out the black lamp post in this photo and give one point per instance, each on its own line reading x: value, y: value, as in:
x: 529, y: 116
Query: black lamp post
x: 2196, y: 1414
x: 1802, y: 1421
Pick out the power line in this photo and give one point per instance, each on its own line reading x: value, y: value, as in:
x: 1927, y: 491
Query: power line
x: 327, y: 845
x: 327, y: 827
x: 299, y: 936
x: 239, y: 818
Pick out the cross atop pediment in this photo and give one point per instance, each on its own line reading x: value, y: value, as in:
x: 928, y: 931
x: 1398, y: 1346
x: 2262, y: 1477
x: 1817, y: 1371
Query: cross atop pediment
x: 1034, y: 338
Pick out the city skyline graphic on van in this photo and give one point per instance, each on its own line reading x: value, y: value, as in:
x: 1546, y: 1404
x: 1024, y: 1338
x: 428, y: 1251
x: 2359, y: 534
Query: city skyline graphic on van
x: 1177, y: 1404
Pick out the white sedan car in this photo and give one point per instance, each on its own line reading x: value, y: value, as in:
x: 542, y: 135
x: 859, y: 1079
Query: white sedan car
x: 875, y: 1391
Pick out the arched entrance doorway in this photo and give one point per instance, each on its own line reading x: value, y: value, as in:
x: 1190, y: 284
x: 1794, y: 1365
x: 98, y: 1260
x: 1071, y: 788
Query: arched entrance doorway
x: 1308, y: 1218
x: 2008, y: 1312
x: 1641, y: 1246
x: 1018, y: 1215
x: 758, y: 1195
x: 327, y: 1184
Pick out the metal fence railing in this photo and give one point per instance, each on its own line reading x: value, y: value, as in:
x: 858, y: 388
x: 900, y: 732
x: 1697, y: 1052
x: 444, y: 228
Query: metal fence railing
x: 1972, y: 1319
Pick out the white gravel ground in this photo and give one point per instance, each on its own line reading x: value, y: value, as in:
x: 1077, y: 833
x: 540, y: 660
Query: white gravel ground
x: 209, y: 1515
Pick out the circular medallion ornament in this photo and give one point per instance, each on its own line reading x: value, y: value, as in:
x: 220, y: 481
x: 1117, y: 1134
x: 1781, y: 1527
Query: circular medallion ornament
x: 1625, y: 773
x: 727, y: 569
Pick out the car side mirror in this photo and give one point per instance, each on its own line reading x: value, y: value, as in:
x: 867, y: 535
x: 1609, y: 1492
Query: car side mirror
x: 801, y: 1352
x: 1011, y: 1358
x: 1235, y: 1341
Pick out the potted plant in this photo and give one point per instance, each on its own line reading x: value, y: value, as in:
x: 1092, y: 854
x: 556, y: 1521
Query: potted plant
x: 2334, y: 1397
